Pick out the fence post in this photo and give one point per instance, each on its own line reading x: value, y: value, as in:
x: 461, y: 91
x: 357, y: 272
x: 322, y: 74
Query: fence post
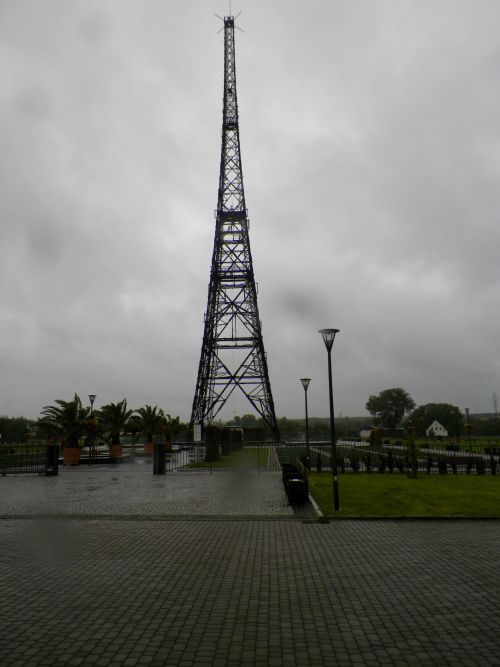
x: 159, y: 458
x: 52, y: 461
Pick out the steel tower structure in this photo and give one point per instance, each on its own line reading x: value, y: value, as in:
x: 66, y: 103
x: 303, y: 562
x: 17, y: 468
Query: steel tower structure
x: 232, y: 353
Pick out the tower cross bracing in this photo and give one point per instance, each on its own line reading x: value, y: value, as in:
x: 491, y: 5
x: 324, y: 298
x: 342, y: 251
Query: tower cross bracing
x: 232, y: 354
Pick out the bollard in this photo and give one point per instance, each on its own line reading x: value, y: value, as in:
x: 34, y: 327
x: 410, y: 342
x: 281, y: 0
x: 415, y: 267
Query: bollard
x: 159, y: 458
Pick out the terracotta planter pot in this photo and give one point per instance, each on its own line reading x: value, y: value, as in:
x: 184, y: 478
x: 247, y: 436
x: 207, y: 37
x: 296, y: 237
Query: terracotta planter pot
x: 71, y: 456
x: 115, y: 451
x: 149, y: 447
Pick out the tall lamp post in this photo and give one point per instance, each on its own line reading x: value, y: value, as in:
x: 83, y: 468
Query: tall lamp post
x: 305, y: 384
x: 92, y: 398
x: 468, y: 428
x: 328, y: 338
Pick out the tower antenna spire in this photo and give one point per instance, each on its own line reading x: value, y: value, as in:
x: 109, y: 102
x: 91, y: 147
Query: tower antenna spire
x: 231, y: 17
x: 232, y: 353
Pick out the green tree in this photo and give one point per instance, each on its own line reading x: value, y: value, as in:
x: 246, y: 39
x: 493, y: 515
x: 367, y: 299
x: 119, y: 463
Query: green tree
x: 114, y: 418
x: 390, y: 406
x: 14, y: 429
x: 134, y: 425
x: 151, y: 420
x: 447, y: 415
x: 489, y: 426
x: 375, y: 439
x: 289, y: 428
x: 67, y: 420
x: 168, y: 426
x: 246, y: 421
x: 178, y: 430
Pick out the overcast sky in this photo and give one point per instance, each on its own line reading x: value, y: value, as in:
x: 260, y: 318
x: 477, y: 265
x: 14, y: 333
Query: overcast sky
x: 370, y: 137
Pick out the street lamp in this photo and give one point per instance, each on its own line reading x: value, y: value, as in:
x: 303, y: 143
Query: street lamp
x: 305, y: 384
x: 328, y: 338
x: 92, y: 398
x: 468, y: 428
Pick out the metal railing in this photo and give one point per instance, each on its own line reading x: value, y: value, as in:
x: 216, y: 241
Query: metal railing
x: 430, y: 458
x: 34, y: 457
x: 194, y: 457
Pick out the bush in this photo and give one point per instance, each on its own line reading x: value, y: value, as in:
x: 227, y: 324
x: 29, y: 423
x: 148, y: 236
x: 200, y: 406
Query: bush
x: 375, y: 439
x: 412, y: 458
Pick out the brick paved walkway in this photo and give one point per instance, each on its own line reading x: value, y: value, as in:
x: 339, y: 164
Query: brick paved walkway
x: 130, y: 489
x: 125, y: 592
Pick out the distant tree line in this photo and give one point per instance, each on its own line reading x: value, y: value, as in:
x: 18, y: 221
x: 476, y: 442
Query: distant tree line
x: 294, y: 429
x: 389, y: 409
x: 395, y: 407
x: 15, y: 429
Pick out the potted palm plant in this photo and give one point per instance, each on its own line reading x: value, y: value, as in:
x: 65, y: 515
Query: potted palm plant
x: 114, y: 418
x: 169, y: 428
x: 134, y: 426
x: 151, y: 420
x: 69, y: 420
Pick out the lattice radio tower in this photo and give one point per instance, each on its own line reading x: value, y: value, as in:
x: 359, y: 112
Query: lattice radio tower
x: 232, y: 353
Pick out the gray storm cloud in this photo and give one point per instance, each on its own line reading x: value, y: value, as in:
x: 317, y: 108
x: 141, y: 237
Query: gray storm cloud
x: 371, y: 160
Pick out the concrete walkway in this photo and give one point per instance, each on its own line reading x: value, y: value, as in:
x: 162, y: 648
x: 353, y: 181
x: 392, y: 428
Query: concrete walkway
x: 189, y: 590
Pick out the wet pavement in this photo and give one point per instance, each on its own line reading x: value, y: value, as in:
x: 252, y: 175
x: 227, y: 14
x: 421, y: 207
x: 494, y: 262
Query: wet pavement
x: 111, y: 565
x: 131, y: 490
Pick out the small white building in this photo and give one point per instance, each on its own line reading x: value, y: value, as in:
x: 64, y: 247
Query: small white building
x: 436, y: 430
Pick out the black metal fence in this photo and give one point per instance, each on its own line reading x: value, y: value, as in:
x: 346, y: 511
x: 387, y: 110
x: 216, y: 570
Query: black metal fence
x: 33, y: 457
x: 352, y: 457
x: 196, y: 457
x: 466, y: 458
x: 406, y: 458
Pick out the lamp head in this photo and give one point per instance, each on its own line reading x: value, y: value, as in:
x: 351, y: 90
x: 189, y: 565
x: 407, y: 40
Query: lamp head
x: 328, y: 336
x: 305, y: 382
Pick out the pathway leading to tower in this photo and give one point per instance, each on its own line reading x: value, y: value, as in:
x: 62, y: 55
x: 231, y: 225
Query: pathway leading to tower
x: 131, y: 490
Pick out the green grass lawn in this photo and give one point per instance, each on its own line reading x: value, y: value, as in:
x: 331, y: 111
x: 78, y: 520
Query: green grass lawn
x: 396, y: 495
